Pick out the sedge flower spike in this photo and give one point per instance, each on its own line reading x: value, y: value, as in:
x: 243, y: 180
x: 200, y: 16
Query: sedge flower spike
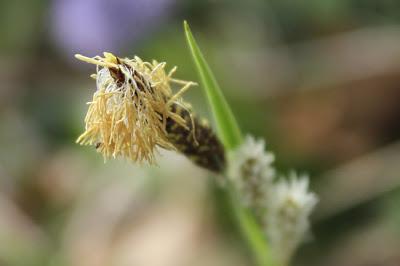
x: 287, y: 217
x: 250, y: 169
x: 282, y: 206
x: 134, y: 111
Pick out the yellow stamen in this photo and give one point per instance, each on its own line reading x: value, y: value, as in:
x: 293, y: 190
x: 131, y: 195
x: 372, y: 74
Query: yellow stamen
x: 95, y: 62
x: 127, y: 115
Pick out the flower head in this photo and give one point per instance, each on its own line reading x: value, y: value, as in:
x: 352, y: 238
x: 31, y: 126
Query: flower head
x: 282, y: 206
x: 287, y: 219
x: 128, y: 113
x: 250, y: 169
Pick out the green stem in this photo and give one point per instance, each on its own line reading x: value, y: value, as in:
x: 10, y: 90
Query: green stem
x: 251, y: 231
x: 230, y: 134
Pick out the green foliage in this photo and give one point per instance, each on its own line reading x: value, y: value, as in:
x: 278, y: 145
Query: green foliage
x: 230, y: 134
x: 227, y: 126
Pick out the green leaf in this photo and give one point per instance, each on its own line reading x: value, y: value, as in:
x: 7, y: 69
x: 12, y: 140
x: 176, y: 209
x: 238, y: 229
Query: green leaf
x: 227, y: 126
x: 252, y: 232
x: 229, y: 132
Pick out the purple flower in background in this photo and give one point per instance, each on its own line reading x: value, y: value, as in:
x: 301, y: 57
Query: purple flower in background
x: 93, y: 26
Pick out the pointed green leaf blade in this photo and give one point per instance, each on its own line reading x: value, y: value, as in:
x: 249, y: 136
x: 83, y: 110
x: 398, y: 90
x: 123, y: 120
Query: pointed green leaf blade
x: 231, y: 136
x: 227, y: 126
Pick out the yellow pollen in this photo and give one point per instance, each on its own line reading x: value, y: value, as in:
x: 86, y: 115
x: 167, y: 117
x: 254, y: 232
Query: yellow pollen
x: 127, y: 115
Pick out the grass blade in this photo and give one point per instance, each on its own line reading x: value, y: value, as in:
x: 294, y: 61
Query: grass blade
x: 231, y: 136
x: 227, y: 126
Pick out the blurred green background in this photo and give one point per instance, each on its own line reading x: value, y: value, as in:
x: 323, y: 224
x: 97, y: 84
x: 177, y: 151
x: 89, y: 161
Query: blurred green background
x: 318, y: 79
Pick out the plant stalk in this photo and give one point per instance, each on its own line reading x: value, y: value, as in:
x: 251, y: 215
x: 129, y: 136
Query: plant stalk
x: 230, y: 134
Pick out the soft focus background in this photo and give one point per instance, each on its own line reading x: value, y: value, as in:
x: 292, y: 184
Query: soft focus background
x: 318, y: 79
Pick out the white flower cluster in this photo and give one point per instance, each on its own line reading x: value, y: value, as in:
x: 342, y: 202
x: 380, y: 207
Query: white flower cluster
x: 250, y: 169
x: 287, y: 220
x: 282, y: 206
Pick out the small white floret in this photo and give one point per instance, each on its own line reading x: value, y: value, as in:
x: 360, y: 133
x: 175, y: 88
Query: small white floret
x: 287, y: 217
x: 250, y: 170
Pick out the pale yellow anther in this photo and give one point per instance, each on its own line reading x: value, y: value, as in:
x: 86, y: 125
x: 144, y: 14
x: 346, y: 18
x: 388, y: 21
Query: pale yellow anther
x: 95, y: 61
x: 129, y: 120
x: 111, y: 58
